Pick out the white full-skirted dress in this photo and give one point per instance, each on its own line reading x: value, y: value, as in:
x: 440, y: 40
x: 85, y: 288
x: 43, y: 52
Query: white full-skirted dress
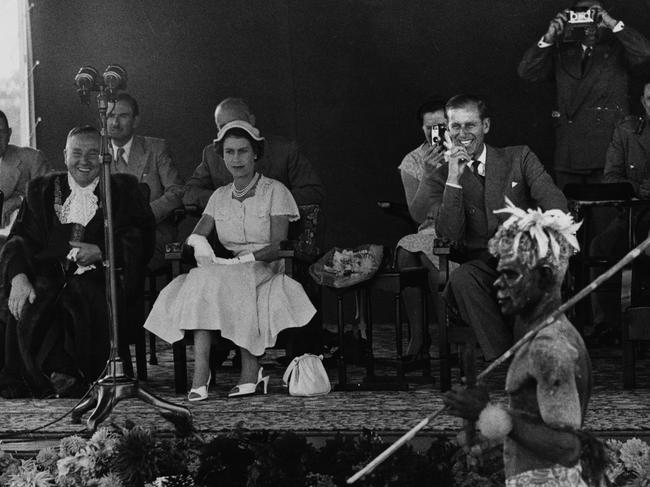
x: 251, y: 302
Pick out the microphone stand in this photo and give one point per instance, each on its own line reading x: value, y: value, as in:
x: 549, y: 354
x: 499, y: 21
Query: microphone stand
x: 115, y: 386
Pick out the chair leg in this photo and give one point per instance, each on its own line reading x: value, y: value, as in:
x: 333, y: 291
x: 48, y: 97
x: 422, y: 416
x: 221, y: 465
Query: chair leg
x: 426, y: 337
x: 370, y: 359
x: 153, y: 294
x: 341, y: 325
x: 141, y: 355
x: 180, y: 367
x: 153, y: 358
x: 398, y: 336
x: 629, y: 364
x: 445, y: 352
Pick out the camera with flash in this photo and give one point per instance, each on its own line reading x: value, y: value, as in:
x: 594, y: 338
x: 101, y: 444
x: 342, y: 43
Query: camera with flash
x: 579, y: 20
x: 438, y: 134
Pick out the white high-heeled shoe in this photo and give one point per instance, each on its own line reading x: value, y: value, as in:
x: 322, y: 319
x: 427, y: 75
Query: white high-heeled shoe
x: 250, y: 388
x: 199, y: 393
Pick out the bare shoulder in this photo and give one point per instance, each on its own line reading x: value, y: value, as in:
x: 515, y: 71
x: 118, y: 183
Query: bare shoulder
x: 555, y: 350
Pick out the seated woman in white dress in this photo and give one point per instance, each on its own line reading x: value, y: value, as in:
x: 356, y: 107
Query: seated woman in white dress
x: 416, y: 249
x: 247, y: 298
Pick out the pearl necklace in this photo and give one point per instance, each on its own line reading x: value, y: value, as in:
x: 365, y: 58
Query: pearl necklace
x: 240, y: 193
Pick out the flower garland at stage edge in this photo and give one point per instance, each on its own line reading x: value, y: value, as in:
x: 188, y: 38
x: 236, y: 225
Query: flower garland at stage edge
x: 134, y: 456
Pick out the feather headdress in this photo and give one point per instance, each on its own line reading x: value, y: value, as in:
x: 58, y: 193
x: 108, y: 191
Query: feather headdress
x: 536, y: 235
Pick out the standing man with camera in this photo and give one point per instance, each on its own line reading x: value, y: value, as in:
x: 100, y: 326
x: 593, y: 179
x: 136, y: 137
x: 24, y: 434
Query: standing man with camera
x: 588, y: 53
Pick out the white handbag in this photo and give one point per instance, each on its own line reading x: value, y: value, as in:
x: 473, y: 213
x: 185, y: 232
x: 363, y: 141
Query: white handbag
x: 306, y: 376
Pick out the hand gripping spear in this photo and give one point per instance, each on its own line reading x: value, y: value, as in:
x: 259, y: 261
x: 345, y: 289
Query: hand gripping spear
x: 629, y: 257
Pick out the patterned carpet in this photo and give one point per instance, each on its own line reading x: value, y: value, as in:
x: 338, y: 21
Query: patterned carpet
x: 612, y: 412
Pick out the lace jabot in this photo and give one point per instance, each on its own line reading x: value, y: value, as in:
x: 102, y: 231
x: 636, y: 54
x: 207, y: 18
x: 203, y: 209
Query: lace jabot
x: 80, y: 206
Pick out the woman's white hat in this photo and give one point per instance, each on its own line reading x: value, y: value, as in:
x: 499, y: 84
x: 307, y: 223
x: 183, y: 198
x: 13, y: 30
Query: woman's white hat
x: 240, y: 124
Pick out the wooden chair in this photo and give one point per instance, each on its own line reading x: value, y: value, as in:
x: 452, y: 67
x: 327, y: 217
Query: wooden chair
x: 453, y: 332
x: 298, y: 253
x: 393, y: 281
x: 166, y: 272
x: 133, y: 304
x: 583, y: 200
x: 636, y: 329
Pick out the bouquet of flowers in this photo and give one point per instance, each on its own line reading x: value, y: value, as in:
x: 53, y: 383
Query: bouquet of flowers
x: 629, y: 462
x: 347, y: 267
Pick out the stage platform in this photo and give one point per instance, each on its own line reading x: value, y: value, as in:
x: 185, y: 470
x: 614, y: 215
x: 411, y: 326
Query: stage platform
x: 613, y: 412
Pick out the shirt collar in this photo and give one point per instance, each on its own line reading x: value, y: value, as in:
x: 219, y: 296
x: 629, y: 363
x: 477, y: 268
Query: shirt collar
x: 126, y: 147
x: 481, y: 161
x: 75, y: 188
x: 483, y: 156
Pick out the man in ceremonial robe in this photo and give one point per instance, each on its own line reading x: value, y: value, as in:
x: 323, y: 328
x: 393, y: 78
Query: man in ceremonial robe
x: 55, y: 326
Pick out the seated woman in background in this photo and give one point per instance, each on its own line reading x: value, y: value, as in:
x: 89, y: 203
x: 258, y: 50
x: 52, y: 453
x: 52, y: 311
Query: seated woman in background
x: 247, y: 298
x: 416, y: 249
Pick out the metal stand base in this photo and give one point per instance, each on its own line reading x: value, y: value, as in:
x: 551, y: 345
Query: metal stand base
x: 114, y: 387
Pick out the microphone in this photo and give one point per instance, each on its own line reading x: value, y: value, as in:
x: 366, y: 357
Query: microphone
x: 114, y: 79
x: 86, y: 82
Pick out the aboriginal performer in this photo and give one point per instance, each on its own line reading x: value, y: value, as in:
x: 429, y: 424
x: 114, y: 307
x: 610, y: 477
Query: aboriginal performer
x: 549, y: 380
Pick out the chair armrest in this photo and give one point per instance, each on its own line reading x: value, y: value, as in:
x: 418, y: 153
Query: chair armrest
x: 392, y: 206
x: 173, y: 250
x: 447, y: 251
x: 396, y: 208
x: 179, y: 253
x: 192, y: 210
x: 443, y: 246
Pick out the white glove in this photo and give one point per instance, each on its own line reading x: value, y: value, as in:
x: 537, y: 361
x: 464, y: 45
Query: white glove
x: 203, y: 252
x: 240, y: 259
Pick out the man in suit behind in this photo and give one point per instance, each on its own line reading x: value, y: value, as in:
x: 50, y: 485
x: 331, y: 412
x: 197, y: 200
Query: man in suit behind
x: 466, y: 189
x: 18, y: 166
x: 591, y: 77
x: 281, y: 161
x: 151, y: 162
x: 628, y: 161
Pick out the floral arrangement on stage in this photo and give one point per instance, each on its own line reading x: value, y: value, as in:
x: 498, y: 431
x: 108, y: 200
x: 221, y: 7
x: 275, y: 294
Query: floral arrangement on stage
x: 132, y: 456
x: 630, y: 463
x: 347, y: 267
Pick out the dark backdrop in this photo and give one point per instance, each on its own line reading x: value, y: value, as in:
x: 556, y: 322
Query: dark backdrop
x: 342, y: 77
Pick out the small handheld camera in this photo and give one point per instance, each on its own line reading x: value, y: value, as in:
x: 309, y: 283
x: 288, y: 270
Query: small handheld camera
x: 578, y: 22
x: 438, y: 135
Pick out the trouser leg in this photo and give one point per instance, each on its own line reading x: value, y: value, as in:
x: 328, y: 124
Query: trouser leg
x: 470, y: 289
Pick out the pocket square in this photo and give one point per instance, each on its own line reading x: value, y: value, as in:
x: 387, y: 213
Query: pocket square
x: 514, y: 183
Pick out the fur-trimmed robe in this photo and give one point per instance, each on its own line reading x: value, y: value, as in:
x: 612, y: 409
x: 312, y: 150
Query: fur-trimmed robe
x: 69, y: 315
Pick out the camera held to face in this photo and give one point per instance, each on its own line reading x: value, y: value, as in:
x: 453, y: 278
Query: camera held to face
x: 438, y: 134
x: 579, y: 21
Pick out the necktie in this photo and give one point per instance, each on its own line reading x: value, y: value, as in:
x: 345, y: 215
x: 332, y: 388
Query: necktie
x: 585, y: 59
x: 474, y: 166
x: 120, y: 163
